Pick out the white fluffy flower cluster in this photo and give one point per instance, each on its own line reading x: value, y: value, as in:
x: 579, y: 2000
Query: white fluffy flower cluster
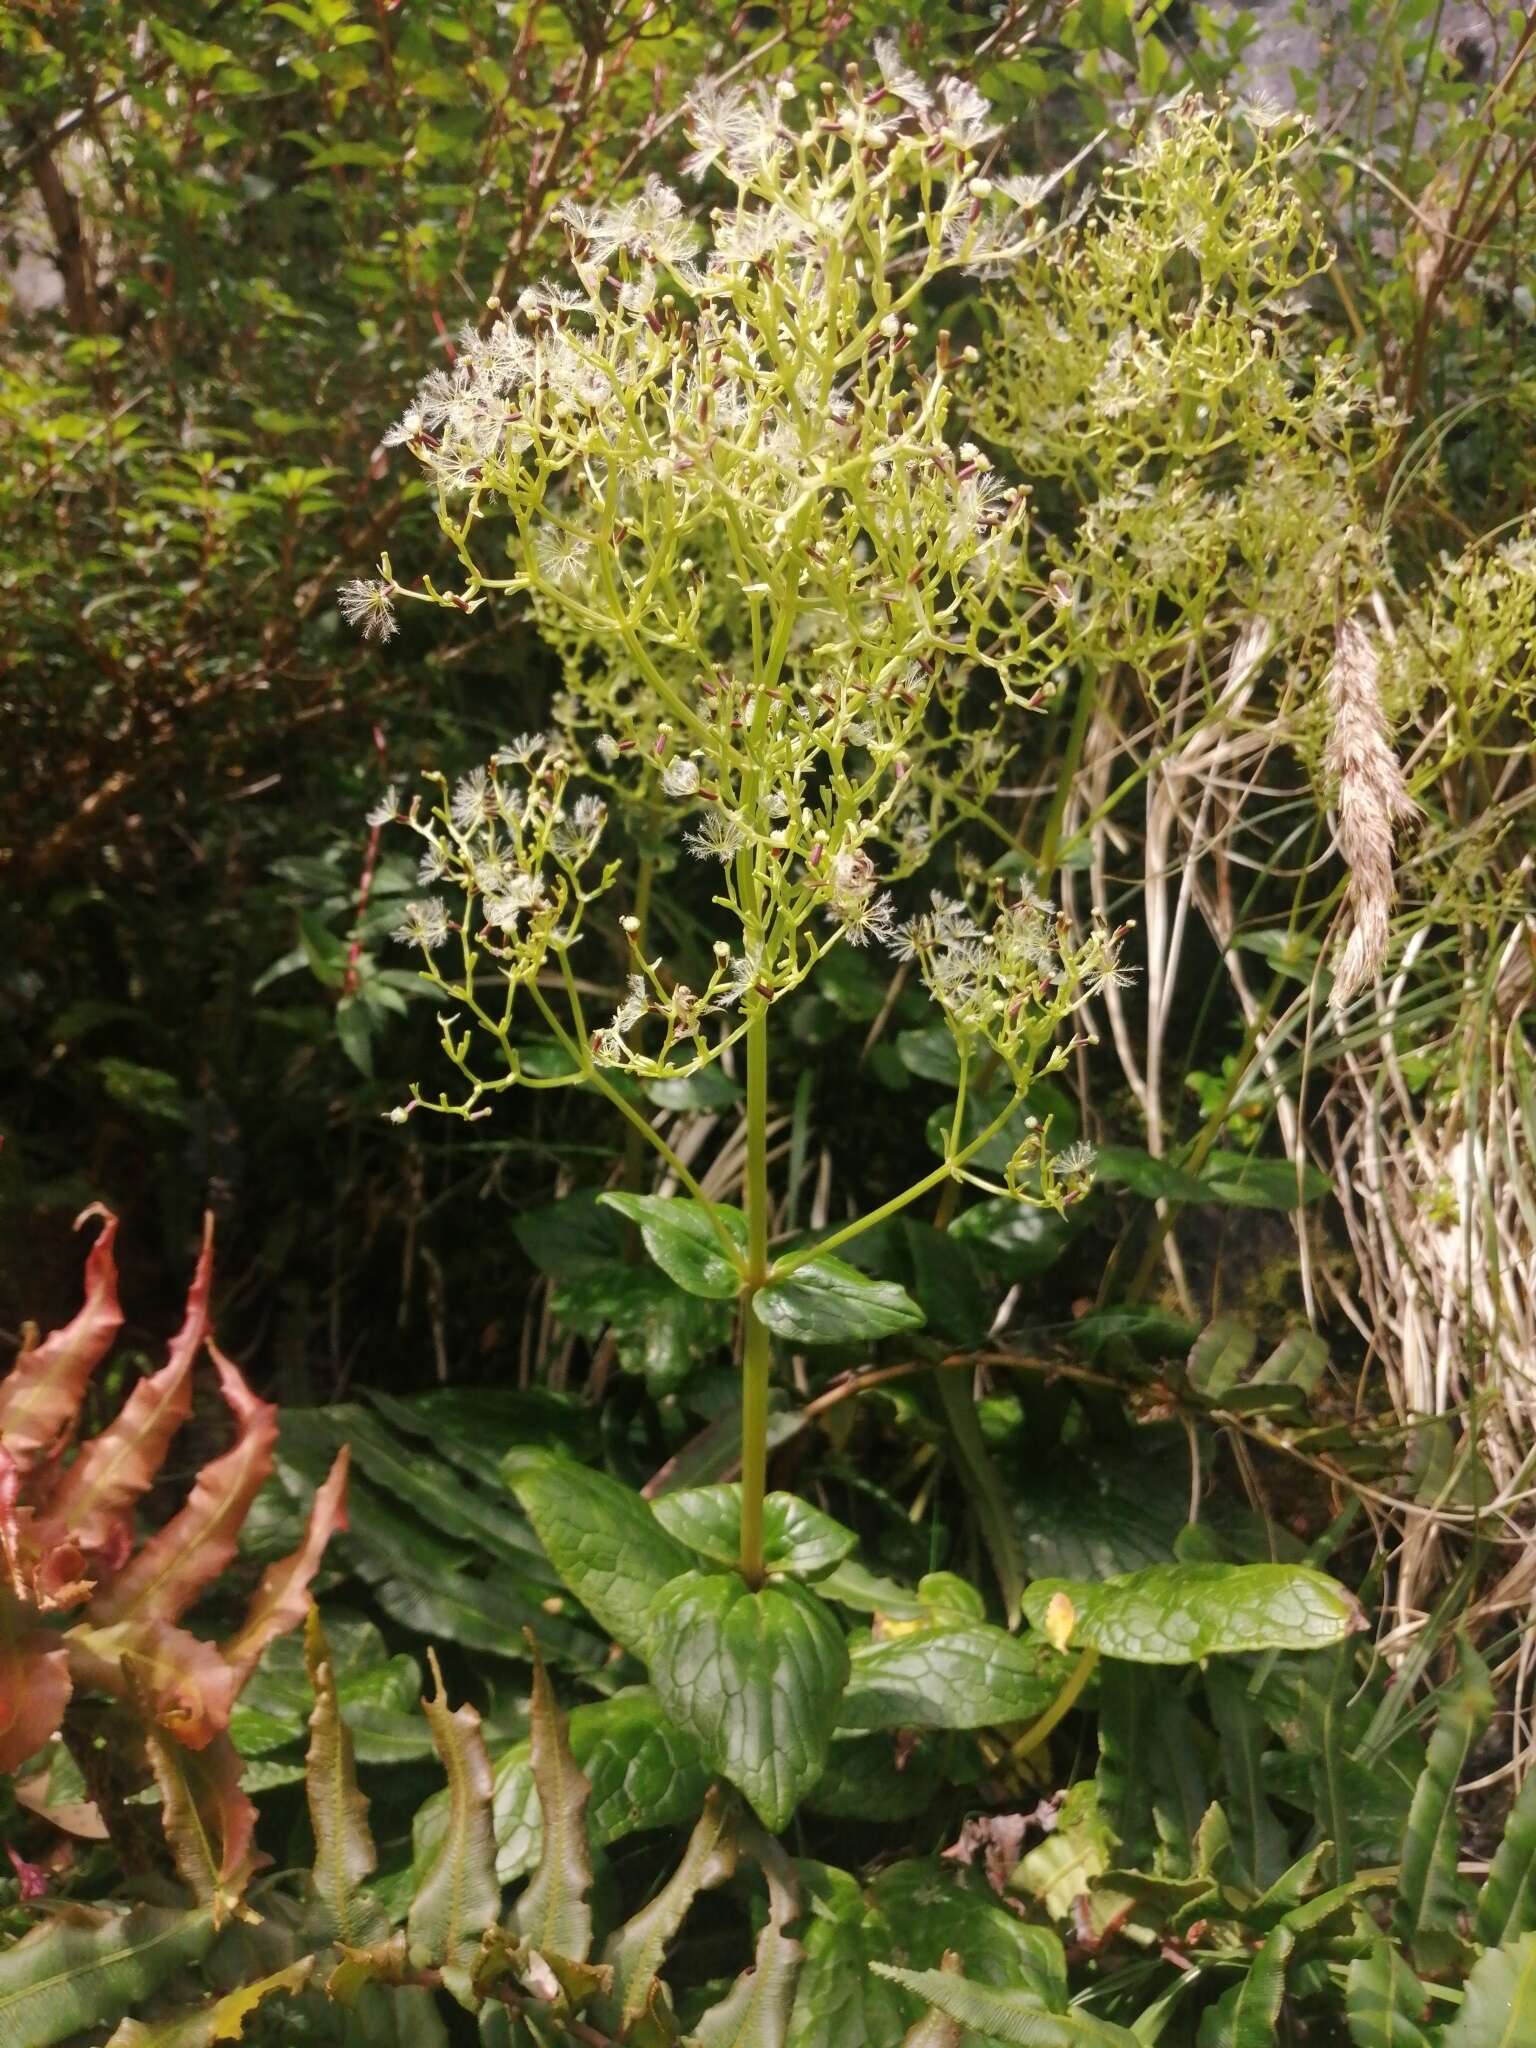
x: 509, y: 839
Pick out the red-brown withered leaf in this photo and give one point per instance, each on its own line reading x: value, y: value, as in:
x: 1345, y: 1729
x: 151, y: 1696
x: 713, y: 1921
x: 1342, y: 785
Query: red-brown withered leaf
x: 281, y: 1601
x: 181, y: 1560
x: 34, y: 1685
x: 89, y: 1502
x: 40, y: 1397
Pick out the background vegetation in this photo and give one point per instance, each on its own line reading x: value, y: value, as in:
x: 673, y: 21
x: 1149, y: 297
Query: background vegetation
x: 1294, y: 1319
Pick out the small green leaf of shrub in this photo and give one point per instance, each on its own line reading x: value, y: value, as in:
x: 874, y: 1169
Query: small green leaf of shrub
x: 679, y: 1236
x: 827, y: 1301
x: 798, y: 1540
x: 1179, y: 1613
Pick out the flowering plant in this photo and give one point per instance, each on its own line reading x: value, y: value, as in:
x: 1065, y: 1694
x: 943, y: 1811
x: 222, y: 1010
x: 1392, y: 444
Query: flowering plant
x: 724, y: 472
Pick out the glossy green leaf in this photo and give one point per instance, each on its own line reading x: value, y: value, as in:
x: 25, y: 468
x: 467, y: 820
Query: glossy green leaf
x: 1506, y: 1906
x: 577, y: 1234
x: 85, y: 1968
x: 553, y: 1915
x: 755, y: 1677
x: 827, y: 1301
x: 798, y: 1540
x: 1005, y: 2014
x: 1385, y: 2004
x: 1179, y: 1613
x: 1499, y: 2010
x: 960, y: 1675
x: 679, y: 1236
x: 1430, y: 1895
x: 603, y: 1539
x: 458, y: 1896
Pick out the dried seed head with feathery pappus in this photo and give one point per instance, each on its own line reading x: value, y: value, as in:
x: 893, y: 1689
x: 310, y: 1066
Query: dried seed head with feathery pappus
x: 782, y: 585
x: 1372, y: 800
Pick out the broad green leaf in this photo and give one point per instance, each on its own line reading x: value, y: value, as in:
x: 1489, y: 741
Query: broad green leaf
x: 644, y: 1773
x: 755, y: 2012
x: 1146, y: 1333
x: 458, y: 1896
x: 85, y: 1968
x: 1506, y: 1906
x: 553, y: 1914
x: 925, y: 1911
x: 885, y: 1775
x: 946, y: 1284
x: 1298, y: 1360
x: 577, y: 1234
x: 1221, y: 1354
x: 603, y: 1540
x: 1128, y: 1701
x: 868, y: 1593
x: 678, y: 1235
x: 827, y: 1301
x: 1499, y: 2010
x: 1127, y: 1166
x: 223, y: 2019
x: 755, y: 1677
x: 1430, y: 1895
x: 839, y: 2002
x: 1108, y: 1510
x: 1385, y: 2004
x: 408, y: 1474
x: 961, y: 1675
x: 1256, y: 2015
x: 1258, y: 1839
x: 658, y: 1331
x: 1006, y: 2015
x: 1179, y: 1613
x: 1016, y: 1240
x: 345, y: 1857
x: 933, y: 1908
x: 636, y: 1952
x: 1238, y: 1180
x: 798, y: 1540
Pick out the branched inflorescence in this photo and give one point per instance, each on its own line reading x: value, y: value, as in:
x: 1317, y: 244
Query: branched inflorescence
x: 784, y: 591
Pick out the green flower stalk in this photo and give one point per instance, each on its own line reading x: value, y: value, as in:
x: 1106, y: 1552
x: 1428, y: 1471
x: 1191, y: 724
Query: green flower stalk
x: 792, y: 605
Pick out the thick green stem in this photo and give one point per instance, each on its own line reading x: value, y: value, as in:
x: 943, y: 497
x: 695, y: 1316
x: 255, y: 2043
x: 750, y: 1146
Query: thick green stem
x: 756, y: 1344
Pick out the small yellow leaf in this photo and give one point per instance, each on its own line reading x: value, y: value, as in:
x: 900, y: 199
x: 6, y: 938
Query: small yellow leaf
x: 1060, y: 1620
